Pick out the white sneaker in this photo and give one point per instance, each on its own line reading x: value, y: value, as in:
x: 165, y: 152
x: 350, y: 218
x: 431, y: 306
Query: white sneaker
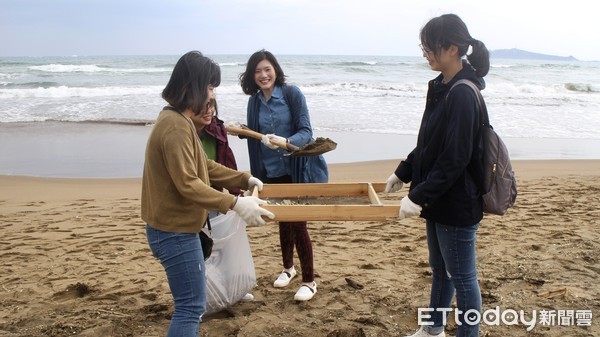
x: 247, y: 298
x: 306, y: 291
x: 284, y: 278
x: 423, y: 333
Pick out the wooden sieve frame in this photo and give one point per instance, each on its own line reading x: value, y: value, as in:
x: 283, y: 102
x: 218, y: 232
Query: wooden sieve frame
x: 374, y: 211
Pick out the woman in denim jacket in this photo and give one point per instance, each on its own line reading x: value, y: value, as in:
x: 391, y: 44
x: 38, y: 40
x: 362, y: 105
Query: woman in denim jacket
x: 279, y: 111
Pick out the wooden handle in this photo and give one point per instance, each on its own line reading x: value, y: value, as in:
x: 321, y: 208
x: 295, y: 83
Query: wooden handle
x: 257, y: 135
x: 244, y: 132
x: 255, y: 191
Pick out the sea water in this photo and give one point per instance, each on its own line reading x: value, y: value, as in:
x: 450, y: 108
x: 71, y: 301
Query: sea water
x: 527, y: 99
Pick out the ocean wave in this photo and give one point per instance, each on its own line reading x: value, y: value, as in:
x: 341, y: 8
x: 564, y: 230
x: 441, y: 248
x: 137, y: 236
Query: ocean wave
x: 338, y: 64
x: 581, y: 87
x: 65, y: 91
x: 503, y: 90
x: 231, y: 64
x: 385, y: 95
x: 357, y: 63
x: 358, y: 70
x: 44, y: 84
x: 324, y: 89
x: 560, y: 66
x: 377, y: 64
x: 528, y: 66
x: 165, y: 66
x: 12, y: 63
x: 358, y: 89
x: 92, y: 68
x: 8, y: 76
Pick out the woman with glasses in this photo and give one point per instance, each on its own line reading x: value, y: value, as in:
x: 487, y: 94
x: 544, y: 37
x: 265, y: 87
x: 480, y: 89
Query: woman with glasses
x: 445, y: 172
x: 213, y: 135
x: 177, y: 192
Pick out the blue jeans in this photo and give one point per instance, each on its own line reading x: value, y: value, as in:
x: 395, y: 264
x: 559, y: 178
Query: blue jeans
x: 181, y: 256
x: 453, y: 264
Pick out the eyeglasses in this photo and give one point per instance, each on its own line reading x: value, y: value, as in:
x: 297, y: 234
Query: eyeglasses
x: 425, y: 50
x: 210, y: 109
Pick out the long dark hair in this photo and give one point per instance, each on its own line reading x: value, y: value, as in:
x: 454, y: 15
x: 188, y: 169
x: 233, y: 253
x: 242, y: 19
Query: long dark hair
x: 188, y: 85
x: 443, y: 31
x: 249, y: 86
x: 213, y: 102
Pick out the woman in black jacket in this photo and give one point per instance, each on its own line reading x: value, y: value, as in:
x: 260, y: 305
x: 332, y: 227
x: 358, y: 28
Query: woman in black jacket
x: 445, y: 170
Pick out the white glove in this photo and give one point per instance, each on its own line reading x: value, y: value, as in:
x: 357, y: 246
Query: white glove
x: 233, y: 124
x: 267, y: 143
x: 236, y: 125
x: 255, y: 182
x: 250, y: 211
x: 408, y: 208
x: 394, y: 184
x: 277, y: 140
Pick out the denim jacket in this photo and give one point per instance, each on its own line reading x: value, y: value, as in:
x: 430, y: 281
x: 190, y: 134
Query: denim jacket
x: 302, y: 169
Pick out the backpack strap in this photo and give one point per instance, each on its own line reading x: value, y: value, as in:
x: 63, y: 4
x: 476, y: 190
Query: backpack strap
x: 477, y: 171
x: 287, y: 97
x: 287, y: 92
x: 470, y: 84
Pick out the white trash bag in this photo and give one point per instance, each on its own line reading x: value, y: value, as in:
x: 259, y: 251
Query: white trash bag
x: 230, y: 268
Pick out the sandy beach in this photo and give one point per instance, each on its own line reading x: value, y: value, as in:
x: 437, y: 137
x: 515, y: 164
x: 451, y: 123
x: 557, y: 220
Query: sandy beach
x: 75, y: 262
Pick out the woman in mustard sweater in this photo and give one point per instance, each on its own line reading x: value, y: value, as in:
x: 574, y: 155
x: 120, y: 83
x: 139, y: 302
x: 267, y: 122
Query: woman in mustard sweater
x: 177, y: 192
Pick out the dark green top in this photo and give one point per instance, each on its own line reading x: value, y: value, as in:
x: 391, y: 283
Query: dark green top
x: 209, y: 144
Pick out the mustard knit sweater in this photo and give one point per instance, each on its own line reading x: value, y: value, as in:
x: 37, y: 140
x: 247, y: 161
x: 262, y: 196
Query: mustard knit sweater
x: 176, y: 184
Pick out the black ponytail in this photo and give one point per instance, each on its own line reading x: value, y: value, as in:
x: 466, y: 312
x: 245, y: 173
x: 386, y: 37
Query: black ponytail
x: 449, y: 29
x: 479, y: 58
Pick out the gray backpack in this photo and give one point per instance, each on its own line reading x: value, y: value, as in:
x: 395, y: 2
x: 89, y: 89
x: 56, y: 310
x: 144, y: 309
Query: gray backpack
x: 499, y: 184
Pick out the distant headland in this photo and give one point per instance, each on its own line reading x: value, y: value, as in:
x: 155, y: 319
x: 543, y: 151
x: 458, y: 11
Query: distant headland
x: 527, y: 55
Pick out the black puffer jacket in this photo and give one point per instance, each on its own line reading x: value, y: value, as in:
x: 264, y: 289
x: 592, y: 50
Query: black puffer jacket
x: 445, y: 168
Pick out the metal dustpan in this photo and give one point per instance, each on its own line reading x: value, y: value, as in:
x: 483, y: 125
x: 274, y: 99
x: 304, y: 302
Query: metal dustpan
x: 317, y: 147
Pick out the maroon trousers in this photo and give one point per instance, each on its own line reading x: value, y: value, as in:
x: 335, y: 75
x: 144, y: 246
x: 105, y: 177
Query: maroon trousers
x: 295, y: 234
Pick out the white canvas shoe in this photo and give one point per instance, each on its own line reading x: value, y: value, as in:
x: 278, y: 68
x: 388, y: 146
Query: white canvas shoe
x: 284, y: 278
x: 306, y: 291
x: 423, y: 333
x: 247, y: 298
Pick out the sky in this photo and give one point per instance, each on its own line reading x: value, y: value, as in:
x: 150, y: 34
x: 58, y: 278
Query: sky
x: 317, y: 27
